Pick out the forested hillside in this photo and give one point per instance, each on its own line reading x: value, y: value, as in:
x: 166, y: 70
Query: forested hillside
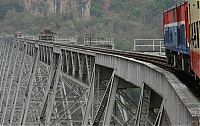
x: 123, y: 20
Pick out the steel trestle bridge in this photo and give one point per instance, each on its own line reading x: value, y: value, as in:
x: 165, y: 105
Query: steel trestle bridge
x: 50, y: 83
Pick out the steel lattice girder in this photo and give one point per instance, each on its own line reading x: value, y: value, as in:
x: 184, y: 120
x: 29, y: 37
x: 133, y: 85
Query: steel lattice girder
x: 45, y: 84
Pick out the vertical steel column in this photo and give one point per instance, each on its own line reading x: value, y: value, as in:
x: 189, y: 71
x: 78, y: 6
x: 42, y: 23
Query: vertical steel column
x: 160, y: 115
x: 111, y: 102
x: 3, y: 55
x: 33, y: 72
x: 14, y: 82
x: 80, y: 68
x: 143, y: 107
x: 53, y: 88
x: 67, y: 62
x: 96, y: 89
x: 23, y: 87
x: 15, y: 55
x: 104, y: 102
x: 122, y: 110
x: 19, y: 80
x: 88, y: 71
x: 5, y: 76
x: 89, y: 100
x: 52, y: 63
x: 5, y: 63
x: 73, y: 65
x: 3, y: 47
x: 44, y: 53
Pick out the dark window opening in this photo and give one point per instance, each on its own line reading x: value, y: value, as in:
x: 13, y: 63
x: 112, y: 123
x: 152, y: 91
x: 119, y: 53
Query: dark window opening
x: 192, y: 35
x: 166, y: 36
x: 179, y: 36
x: 182, y: 28
x: 197, y: 24
x: 171, y: 37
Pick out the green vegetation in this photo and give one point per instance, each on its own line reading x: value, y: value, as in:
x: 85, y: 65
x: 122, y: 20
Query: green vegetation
x: 5, y: 6
x: 127, y: 20
x: 96, y: 8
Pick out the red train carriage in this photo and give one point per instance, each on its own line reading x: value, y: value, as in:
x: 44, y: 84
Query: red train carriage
x: 195, y: 36
x: 195, y: 62
x: 181, y: 26
x: 176, y: 36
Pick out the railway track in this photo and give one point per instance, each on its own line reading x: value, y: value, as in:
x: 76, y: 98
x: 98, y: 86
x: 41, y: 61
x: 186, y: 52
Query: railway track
x: 139, y: 56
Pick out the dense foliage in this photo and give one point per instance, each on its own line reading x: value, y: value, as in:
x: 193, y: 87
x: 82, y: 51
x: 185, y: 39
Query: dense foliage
x: 5, y: 6
x: 96, y: 8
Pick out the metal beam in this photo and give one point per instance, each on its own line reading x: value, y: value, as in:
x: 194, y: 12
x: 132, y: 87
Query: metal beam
x: 104, y: 102
x: 143, y: 107
x: 33, y: 72
x: 111, y: 101
x: 18, y: 85
x: 53, y: 89
x: 89, y: 100
x: 10, y: 82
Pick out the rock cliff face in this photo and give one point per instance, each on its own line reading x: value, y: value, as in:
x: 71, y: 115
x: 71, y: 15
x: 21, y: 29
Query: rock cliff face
x: 58, y: 6
x: 106, y: 6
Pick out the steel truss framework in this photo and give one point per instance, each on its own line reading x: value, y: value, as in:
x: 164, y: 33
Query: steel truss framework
x: 41, y: 84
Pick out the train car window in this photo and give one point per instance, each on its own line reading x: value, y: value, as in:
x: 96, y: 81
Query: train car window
x: 171, y: 37
x: 179, y: 36
x: 166, y: 35
x: 182, y: 27
x: 188, y: 38
x: 193, y: 32
x: 197, y: 4
x: 197, y: 25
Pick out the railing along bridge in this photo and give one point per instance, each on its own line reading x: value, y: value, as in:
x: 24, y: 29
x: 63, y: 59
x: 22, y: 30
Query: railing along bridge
x: 150, y: 46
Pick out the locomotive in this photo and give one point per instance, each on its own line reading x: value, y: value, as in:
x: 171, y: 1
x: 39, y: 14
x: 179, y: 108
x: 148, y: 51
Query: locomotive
x: 181, y: 28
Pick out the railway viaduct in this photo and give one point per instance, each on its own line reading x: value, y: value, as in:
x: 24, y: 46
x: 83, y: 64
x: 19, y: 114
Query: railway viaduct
x: 49, y: 83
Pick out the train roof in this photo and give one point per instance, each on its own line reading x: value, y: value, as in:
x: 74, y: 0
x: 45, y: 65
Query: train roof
x: 46, y: 31
x: 177, y: 5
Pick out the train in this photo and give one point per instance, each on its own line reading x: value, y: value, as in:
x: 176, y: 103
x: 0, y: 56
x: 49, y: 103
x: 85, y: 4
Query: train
x: 181, y: 30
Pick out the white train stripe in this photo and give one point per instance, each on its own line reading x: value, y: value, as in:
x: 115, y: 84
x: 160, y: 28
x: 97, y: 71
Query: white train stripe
x: 174, y: 24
